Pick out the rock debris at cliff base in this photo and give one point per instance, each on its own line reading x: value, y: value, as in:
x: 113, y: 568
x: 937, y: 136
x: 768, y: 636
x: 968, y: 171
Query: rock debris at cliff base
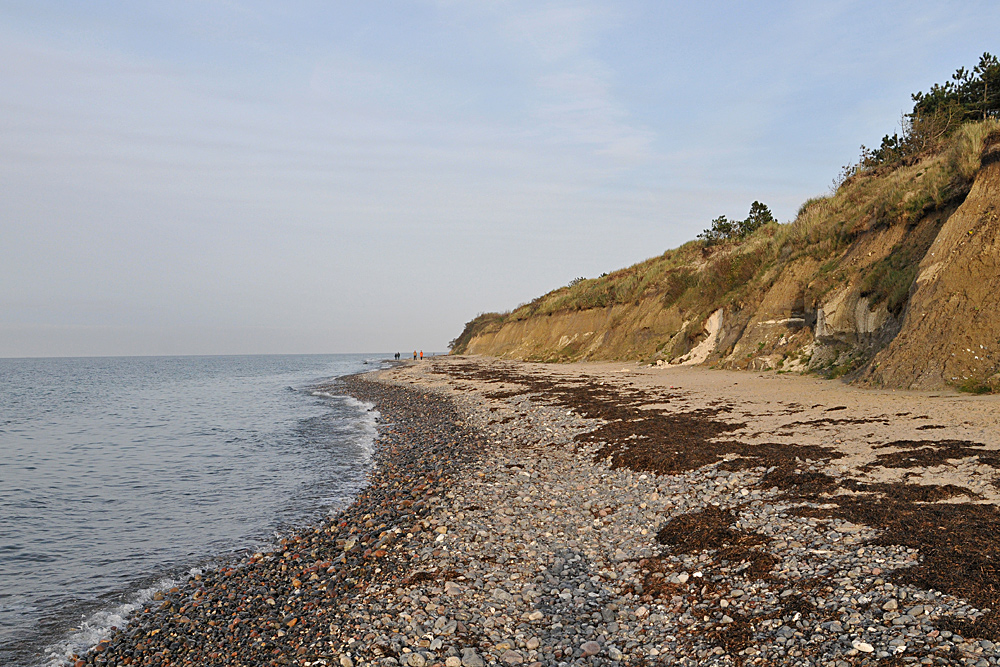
x: 505, y: 524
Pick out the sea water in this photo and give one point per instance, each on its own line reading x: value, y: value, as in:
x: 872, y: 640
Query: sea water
x: 119, y: 475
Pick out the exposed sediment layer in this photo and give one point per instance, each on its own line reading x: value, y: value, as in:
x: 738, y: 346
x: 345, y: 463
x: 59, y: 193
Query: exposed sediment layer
x: 892, y: 281
x: 587, y: 515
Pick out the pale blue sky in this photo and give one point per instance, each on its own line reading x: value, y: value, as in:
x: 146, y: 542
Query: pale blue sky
x: 229, y: 176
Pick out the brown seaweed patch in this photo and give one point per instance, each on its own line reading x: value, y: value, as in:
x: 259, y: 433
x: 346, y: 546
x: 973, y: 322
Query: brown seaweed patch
x: 987, y: 625
x: 929, y: 453
x: 920, y: 493
x: 742, y: 632
x: 799, y: 483
x: 655, y: 583
x: 665, y: 444
x: 829, y: 421
x: 698, y: 531
x: 643, y: 440
x: 506, y: 393
x: 735, y: 636
x: 761, y: 562
x: 711, y: 529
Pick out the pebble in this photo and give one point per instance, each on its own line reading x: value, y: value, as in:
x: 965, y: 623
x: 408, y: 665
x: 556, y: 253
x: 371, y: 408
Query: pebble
x: 470, y: 658
x: 511, y: 657
x: 864, y: 647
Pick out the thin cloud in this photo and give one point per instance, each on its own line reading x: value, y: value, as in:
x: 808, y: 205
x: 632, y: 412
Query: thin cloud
x: 576, y: 104
x: 580, y: 109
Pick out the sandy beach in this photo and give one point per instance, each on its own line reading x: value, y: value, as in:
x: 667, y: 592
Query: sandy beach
x: 607, y: 514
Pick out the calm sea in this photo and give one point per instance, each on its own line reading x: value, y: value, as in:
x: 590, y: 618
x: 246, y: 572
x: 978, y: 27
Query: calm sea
x: 119, y: 475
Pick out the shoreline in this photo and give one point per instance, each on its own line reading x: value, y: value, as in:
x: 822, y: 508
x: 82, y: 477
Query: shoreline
x: 530, y: 514
x: 334, y: 553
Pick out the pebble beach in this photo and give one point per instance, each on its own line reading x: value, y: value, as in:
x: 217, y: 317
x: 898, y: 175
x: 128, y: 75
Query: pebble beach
x: 612, y: 515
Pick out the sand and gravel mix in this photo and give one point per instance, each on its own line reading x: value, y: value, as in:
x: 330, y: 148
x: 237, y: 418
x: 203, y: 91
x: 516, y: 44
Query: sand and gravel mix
x: 611, y: 514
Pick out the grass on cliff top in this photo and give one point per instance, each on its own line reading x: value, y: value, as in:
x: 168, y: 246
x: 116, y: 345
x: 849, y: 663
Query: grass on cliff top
x: 698, y: 278
x: 887, y: 195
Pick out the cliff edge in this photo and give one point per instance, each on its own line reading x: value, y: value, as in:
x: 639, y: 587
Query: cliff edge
x: 893, y: 281
x: 951, y: 331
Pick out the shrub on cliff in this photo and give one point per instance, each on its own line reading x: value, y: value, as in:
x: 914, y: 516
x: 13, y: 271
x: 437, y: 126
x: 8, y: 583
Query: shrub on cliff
x: 971, y: 95
x: 723, y: 229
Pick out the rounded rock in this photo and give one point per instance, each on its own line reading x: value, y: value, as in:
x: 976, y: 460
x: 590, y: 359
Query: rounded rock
x: 511, y: 657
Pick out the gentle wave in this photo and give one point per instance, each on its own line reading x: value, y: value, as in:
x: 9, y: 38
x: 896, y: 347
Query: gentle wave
x: 100, y: 624
x: 120, y: 475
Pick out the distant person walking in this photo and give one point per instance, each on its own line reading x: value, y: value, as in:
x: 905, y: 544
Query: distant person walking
x: 414, y: 355
x: 421, y: 355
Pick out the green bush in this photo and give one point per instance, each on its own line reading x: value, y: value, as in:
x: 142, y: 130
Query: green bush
x: 975, y: 386
x: 723, y: 229
x: 727, y: 274
x: 889, y: 280
x: 679, y: 282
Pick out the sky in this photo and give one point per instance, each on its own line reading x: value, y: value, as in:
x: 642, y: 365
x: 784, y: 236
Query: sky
x: 250, y: 177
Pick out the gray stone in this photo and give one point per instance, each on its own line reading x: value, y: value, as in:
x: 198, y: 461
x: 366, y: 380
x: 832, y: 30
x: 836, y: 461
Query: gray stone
x: 470, y: 658
x: 511, y: 657
x: 414, y: 659
x: 502, y: 595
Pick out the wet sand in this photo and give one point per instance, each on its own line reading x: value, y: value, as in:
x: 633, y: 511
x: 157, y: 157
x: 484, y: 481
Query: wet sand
x: 611, y: 514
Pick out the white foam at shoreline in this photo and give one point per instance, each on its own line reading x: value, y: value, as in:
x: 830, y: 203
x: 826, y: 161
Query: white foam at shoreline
x: 99, y: 625
x: 367, y: 419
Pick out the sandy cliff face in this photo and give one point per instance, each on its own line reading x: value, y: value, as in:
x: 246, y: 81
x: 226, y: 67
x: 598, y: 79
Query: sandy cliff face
x: 951, y: 332
x: 621, y: 332
x: 894, y: 281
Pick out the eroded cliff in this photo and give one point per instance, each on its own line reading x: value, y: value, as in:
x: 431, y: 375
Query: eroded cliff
x: 893, y: 281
